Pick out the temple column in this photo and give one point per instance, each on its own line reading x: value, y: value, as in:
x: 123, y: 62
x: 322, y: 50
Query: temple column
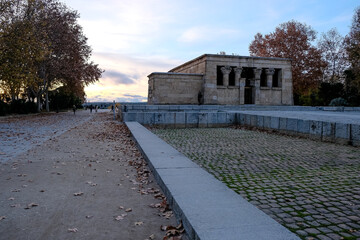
x: 242, y: 90
x: 241, y: 83
x: 257, y: 73
x: 269, y: 76
x: 226, y: 71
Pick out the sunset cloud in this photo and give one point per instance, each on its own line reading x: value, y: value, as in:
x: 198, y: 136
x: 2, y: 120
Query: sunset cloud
x: 133, y: 38
x: 117, y: 78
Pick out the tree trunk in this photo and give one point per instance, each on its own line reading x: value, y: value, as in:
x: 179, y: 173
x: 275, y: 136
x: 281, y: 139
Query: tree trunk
x: 47, y: 100
x: 38, y: 98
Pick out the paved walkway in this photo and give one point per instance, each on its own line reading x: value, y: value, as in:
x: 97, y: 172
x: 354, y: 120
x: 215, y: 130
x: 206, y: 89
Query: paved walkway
x: 310, y: 187
x: 89, y: 182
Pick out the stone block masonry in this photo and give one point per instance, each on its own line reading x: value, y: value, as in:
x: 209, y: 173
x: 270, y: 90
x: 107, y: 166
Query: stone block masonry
x: 224, y: 79
x: 313, y: 123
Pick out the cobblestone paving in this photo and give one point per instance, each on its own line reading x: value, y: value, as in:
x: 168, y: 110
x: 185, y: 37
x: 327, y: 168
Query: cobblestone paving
x: 312, y: 188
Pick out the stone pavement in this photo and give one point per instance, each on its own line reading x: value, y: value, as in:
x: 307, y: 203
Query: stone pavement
x: 208, y: 209
x: 310, y: 187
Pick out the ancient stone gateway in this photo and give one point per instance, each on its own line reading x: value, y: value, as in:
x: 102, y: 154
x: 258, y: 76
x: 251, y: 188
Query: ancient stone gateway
x: 224, y: 79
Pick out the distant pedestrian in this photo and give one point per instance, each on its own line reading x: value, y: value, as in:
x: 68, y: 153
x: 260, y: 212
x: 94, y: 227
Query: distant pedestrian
x: 112, y: 108
x: 74, y: 108
x: 91, y: 108
x: 200, y: 96
x: 96, y: 108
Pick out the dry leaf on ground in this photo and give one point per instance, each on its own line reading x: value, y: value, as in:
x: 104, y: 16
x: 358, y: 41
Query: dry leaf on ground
x: 173, y: 233
x: 139, y: 223
x: 78, y: 194
x: 118, y: 218
x: 2, y: 217
x: 121, y: 217
x: 128, y: 210
x: 151, y: 237
x: 31, y: 205
x: 74, y: 230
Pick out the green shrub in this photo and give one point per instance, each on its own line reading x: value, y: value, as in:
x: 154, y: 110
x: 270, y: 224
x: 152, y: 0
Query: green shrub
x: 22, y: 107
x: 4, y: 108
x: 338, y: 102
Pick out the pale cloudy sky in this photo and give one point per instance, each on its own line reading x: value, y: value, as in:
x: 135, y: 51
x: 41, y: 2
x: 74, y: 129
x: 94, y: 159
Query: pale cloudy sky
x: 132, y: 38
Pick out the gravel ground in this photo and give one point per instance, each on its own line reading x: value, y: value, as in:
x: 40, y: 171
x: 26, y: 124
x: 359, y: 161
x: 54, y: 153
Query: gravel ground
x: 19, y: 133
x: 76, y: 177
x: 310, y: 187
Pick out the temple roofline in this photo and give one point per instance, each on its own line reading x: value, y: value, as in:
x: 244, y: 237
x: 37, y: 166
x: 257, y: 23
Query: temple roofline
x: 229, y: 56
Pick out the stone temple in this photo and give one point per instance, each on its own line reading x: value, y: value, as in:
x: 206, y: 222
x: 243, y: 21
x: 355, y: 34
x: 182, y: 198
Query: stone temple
x: 224, y: 80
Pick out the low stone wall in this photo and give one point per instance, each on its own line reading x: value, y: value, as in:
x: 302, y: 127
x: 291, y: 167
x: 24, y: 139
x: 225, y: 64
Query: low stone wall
x: 184, y: 108
x: 342, y: 133
x: 320, y: 130
x: 182, y: 119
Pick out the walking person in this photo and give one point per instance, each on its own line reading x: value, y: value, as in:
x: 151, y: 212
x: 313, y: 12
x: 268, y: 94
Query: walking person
x: 74, y: 108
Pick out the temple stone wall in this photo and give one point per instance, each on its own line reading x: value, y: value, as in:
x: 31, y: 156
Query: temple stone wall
x: 174, y: 88
x: 196, y: 66
x: 228, y: 80
x: 228, y: 96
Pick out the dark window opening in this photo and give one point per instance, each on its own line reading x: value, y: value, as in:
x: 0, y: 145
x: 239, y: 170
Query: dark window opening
x: 232, y: 77
x: 276, y: 78
x: 219, y: 76
x: 248, y: 74
x: 248, y: 96
x: 263, y: 80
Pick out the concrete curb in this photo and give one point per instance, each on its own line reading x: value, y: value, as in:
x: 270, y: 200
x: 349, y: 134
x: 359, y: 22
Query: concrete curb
x: 208, y: 209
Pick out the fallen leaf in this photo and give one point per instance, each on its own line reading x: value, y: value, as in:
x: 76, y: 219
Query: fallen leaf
x: 128, y: 210
x: 78, y: 194
x: 152, y: 237
x: 121, y: 207
x: 2, y: 217
x: 89, y: 216
x: 11, y: 199
x: 74, y: 230
x: 138, y: 223
x: 118, y: 218
x: 15, y: 190
x: 15, y: 205
x: 31, y: 205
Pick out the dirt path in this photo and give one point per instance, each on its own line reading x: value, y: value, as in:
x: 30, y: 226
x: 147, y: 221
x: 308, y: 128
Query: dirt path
x: 86, y: 183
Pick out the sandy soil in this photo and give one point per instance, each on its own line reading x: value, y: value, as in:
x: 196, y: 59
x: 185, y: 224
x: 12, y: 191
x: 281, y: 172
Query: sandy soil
x: 75, y: 177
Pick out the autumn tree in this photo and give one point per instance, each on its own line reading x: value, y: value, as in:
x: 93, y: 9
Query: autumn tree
x: 62, y: 54
x: 293, y: 40
x: 19, y: 49
x: 352, y: 46
x: 331, y: 45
